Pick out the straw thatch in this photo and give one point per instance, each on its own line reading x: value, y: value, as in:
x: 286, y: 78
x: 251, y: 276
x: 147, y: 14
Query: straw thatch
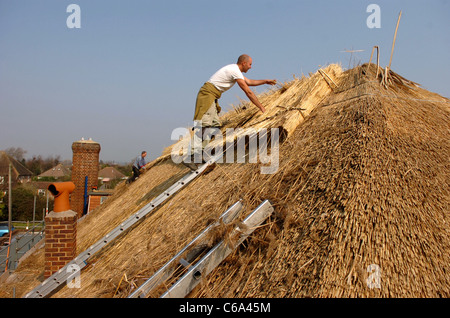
x: 363, y: 180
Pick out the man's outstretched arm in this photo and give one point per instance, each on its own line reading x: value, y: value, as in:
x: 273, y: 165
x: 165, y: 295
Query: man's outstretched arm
x: 245, y: 87
x: 251, y: 82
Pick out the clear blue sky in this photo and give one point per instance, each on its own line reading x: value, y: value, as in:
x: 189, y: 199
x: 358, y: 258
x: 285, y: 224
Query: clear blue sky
x: 131, y: 73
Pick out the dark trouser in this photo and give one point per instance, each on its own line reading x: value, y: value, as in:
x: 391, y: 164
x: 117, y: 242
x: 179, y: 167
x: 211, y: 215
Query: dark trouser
x: 135, y: 175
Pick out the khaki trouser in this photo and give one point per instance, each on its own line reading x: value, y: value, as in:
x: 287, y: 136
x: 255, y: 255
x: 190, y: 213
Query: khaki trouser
x: 207, y: 95
x: 206, y: 115
x: 209, y: 120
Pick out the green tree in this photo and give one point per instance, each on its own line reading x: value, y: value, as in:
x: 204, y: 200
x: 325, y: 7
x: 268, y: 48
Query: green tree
x: 23, y: 205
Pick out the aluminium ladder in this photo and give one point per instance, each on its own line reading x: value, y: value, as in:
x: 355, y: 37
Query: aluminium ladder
x: 189, y: 252
x: 62, y: 276
x: 198, y: 269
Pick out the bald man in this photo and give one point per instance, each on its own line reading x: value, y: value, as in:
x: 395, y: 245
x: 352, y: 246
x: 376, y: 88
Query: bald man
x: 207, y: 107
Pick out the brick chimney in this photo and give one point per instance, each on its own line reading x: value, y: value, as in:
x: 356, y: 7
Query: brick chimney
x: 85, y: 163
x: 60, y: 230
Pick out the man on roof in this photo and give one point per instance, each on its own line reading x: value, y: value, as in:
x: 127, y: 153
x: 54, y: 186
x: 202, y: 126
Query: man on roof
x: 207, y: 107
x: 139, y: 163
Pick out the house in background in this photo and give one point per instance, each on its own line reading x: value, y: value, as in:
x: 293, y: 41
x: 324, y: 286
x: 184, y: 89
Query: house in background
x: 97, y: 197
x: 109, y: 177
x: 42, y: 187
x: 19, y: 173
x: 57, y: 172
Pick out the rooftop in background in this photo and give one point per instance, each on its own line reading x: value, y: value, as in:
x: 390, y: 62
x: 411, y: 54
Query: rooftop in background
x: 59, y: 171
x: 19, y: 172
x: 110, y: 173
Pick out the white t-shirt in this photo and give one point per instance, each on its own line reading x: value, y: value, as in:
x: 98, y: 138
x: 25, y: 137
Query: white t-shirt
x: 226, y: 77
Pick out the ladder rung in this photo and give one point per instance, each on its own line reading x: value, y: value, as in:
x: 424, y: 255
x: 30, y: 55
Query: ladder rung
x: 184, y: 262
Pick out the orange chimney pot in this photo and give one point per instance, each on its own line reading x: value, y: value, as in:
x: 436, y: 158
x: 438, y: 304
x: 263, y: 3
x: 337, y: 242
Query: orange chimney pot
x: 61, y: 192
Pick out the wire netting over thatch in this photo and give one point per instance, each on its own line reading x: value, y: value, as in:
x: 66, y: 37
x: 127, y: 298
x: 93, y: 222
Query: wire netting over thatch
x: 362, y: 189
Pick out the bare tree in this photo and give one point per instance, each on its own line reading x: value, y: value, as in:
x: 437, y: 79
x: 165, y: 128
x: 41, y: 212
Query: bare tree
x: 17, y: 153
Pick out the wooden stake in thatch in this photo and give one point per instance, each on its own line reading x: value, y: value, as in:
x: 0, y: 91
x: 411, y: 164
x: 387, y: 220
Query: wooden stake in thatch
x: 378, y: 59
x: 386, y: 77
x: 395, y: 37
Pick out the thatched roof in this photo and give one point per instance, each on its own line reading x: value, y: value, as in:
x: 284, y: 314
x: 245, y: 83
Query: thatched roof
x: 18, y: 171
x: 17, y: 168
x: 363, y: 180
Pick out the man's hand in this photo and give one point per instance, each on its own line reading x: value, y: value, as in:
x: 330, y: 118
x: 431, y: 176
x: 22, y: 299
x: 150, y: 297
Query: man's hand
x: 271, y: 82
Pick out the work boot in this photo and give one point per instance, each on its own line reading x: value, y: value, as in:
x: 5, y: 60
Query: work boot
x: 190, y: 165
